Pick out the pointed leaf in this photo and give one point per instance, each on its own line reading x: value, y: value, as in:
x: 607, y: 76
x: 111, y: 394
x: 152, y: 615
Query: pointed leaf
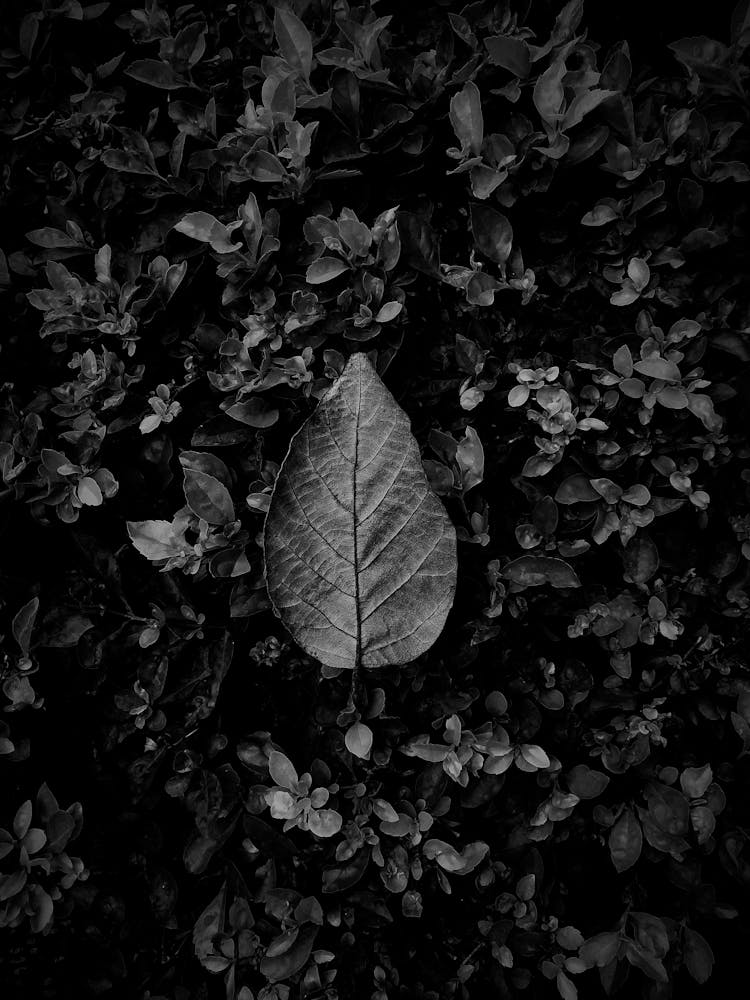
x: 23, y: 623
x: 360, y: 554
x: 294, y: 41
x: 466, y: 118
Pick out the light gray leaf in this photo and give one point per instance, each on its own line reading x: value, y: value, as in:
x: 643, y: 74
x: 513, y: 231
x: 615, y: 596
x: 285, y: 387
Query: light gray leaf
x: 360, y: 554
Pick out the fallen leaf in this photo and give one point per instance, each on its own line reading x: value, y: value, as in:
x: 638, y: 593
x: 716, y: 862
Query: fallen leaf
x: 360, y: 555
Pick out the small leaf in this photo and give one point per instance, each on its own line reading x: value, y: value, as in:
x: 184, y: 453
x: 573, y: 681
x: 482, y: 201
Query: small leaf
x: 599, y: 215
x: 600, y: 949
x: 358, y: 740
x: 695, y: 780
x: 639, y: 273
x: 549, y: 93
x: 208, y: 229
x: 697, y: 955
x: 343, y: 876
x: 294, y: 41
x: 640, y: 558
x: 510, y: 53
x: 23, y: 624
x: 155, y: 73
x: 658, y: 368
x: 576, y: 489
x: 325, y: 822
x: 325, y: 269
x: 534, y: 755
x: 466, y: 118
x: 88, y: 492
x: 625, y: 841
x: 254, y: 412
x: 622, y: 362
x: 209, y: 925
x: 22, y: 820
x: 208, y: 498
x: 586, y: 783
x: 282, y: 770
x: 518, y: 395
x: 388, y: 312
x: 360, y: 555
x: 534, y: 571
x: 51, y: 238
x: 276, y: 969
x: 154, y: 539
x: 493, y: 234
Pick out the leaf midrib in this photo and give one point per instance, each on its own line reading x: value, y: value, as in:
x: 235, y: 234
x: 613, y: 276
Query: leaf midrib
x: 357, y: 609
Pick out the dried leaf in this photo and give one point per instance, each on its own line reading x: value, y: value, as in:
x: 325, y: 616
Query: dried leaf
x: 360, y: 554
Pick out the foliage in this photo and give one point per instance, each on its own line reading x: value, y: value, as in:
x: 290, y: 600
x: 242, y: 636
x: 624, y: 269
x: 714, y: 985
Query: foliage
x: 530, y: 219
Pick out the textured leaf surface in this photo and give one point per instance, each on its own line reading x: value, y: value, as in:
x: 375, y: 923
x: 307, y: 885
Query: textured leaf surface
x: 360, y: 554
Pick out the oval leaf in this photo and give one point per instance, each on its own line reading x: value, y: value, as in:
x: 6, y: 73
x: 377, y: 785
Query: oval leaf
x: 493, y: 233
x: 324, y: 269
x: 625, y: 841
x: 360, y: 554
x: 358, y: 740
x: 283, y: 966
x: 208, y: 498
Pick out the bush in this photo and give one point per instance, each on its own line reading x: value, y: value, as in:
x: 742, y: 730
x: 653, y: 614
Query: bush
x: 533, y: 224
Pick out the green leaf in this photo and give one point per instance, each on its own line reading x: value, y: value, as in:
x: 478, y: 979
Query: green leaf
x: 294, y: 41
x: 325, y: 269
x: 625, y: 841
x: 493, y: 234
x: 360, y: 555
x: 207, y: 497
x: 467, y: 119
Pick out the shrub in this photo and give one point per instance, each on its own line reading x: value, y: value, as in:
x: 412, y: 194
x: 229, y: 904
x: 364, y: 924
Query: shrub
x: 535, y: 233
